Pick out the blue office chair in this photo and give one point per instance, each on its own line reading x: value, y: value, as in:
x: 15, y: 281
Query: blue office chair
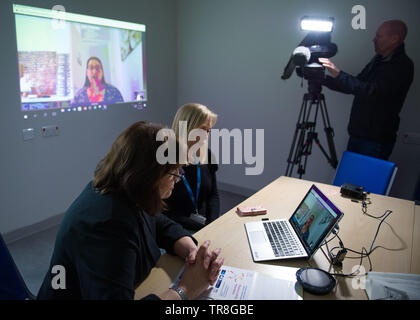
x: 12, y: 285
x: 374, y: 175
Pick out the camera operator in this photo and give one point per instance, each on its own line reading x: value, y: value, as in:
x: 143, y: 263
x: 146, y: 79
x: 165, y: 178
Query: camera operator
x: 379, y: 90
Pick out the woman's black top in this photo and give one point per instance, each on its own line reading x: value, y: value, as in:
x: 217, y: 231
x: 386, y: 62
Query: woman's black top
x: 107, y: 247
x: 180, y: 205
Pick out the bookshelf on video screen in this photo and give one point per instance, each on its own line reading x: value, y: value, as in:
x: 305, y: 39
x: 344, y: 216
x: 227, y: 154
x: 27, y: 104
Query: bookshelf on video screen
x: 72, y: 62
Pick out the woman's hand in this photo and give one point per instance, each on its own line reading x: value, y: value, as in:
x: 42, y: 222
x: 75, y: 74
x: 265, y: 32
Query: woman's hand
x: 204, y: 271
x: 191, y: 259
x: 184, y: 248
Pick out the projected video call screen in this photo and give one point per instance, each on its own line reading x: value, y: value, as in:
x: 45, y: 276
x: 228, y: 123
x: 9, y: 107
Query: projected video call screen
x: 70, y: 61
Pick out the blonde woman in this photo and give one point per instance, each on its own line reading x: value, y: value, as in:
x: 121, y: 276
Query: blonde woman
x: 195, y: 200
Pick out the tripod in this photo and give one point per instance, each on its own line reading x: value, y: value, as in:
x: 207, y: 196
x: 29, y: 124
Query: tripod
x: 305, y: 131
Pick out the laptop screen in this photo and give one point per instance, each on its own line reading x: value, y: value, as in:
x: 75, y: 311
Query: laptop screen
x: 314, y: 218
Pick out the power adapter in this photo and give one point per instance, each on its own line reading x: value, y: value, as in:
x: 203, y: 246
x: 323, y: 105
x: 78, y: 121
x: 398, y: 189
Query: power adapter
x: 352, y: 191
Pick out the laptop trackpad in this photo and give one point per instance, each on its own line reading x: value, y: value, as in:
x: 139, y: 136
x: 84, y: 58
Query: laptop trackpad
x: 257, y: 237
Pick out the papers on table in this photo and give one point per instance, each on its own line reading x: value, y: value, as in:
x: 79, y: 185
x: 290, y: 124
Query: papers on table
x: 239, y: 284
x: 393, y: 286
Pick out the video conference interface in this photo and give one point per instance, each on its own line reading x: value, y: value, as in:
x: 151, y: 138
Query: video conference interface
x: 72, y: 62
x: 313, y: 218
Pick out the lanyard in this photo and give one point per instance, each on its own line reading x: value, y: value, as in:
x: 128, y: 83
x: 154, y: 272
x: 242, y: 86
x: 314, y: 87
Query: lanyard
x: 187, y: 185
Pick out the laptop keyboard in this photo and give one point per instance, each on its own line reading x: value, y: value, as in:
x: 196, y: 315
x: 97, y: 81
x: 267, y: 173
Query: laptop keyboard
x: 281, y: 239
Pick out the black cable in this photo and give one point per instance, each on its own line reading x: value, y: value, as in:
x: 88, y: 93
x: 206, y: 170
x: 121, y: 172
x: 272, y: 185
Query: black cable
x: 343, y: 248
x: 365, y: 202
x: 362, y: 254
x: 375, y: 217
x: 383, y: 217
x: 325, y: 241
x: 387, y: 213
x: 353, y: 274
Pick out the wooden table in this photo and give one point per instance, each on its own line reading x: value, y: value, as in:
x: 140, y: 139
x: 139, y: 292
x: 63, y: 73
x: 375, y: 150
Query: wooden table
x: 281, y: 198
x: 415, y: 261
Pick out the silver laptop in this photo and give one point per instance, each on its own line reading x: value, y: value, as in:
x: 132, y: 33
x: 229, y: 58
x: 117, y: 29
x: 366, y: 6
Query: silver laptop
x: 298, y: 237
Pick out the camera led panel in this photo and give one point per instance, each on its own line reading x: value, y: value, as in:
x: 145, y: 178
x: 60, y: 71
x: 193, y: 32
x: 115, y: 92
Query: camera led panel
x: 311, y: 24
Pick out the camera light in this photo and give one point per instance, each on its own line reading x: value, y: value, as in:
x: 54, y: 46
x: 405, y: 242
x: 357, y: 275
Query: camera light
x: 313, y: 24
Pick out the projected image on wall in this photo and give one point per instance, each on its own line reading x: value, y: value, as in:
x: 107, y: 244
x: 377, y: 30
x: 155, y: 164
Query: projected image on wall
x: 78, y: 60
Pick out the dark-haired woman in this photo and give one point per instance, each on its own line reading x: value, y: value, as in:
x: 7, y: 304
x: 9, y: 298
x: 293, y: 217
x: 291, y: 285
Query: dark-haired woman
x: 110, y: 236
x: 95, y: 89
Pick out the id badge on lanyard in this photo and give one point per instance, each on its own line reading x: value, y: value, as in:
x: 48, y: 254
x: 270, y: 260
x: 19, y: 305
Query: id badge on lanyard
x: 194, y: 200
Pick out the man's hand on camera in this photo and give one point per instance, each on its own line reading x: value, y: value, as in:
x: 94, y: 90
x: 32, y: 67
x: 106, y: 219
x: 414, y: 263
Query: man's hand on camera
x: 331, y: 67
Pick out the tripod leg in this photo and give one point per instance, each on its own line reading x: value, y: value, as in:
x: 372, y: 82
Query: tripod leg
x: 298, y: 139
x: 290, y: 163
x: 302, y: 143
x: 307, y: 151
x: 329, y: 131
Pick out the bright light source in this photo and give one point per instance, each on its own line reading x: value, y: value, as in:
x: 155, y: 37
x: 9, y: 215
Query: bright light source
x: 312, y: 24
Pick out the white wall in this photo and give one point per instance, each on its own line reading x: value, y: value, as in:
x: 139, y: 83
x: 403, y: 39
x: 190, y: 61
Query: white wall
x: 227, y: 54
x: 231, y: 55
x: 41, y: 177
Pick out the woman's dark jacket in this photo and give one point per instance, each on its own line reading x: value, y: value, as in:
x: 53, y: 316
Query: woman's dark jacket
x: 107, y: 247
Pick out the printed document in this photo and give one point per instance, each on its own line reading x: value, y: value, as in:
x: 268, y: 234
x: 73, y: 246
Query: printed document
x: 239, y: 284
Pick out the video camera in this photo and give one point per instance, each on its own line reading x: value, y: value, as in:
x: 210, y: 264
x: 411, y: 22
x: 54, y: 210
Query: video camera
x: 316, y: 44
